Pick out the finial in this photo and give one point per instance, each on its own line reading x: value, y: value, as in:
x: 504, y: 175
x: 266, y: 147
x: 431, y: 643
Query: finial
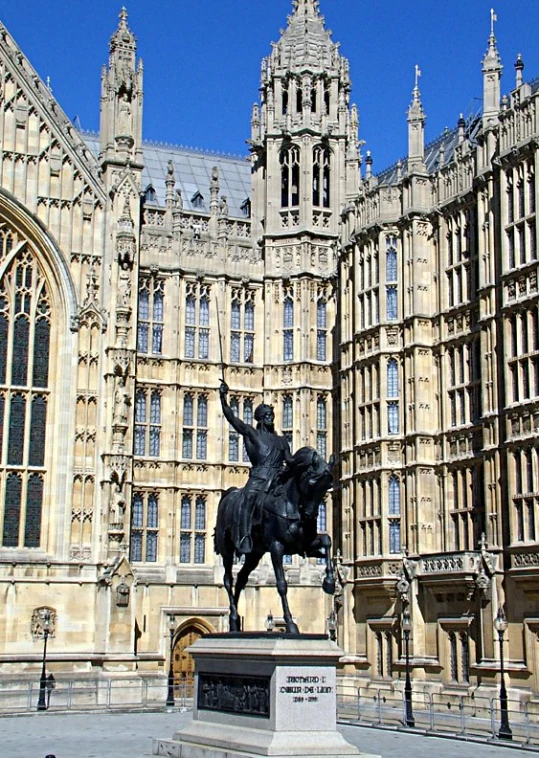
x: 123, y: 17
x: 368, y: 162
x: 416, y: 85
x: 493, y: 19
x: 519, y: 68
x: 417, y: 75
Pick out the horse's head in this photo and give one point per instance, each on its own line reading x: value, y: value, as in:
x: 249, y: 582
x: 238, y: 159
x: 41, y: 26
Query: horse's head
x: 313, y: 477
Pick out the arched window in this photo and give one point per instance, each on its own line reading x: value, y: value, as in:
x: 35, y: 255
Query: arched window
x: 392, y: 378
x: 321, y: 414
x: 288, y: 331
x: 185, y: 518
x: 394, y: 509
x: 299, y: 99
x: 321, y: 177
x: 322, y: 522
x: 25, y: 336
x: 327, y: 98
x: 190, y: 310
x: 290, y: 177
x: 288, y: 412
x: 200, y: 513
x: 394, y: 496
x: 155, y: 424
x: 391, y: 265
x: 321, y: 332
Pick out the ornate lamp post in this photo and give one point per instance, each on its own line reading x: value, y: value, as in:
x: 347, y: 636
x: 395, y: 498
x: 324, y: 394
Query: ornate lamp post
x: 170, y: 689
x: 505, y: 733
x: 41, y: 703
x: 406, y: 628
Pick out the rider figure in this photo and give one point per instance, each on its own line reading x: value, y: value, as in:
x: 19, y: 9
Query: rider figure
x: 267, y: 451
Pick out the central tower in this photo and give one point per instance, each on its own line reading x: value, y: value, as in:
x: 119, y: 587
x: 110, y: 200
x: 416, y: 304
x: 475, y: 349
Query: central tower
x: 305, y: 163
x: 304, y: 136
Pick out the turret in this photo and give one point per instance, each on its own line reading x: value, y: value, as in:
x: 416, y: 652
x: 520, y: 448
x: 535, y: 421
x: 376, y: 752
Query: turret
x: 121, y: 99
x: 492, y: 74
x: 304, y: 135
x: 416, y: 129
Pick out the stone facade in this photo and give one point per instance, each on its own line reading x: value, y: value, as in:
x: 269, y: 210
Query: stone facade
x: 393, y: 319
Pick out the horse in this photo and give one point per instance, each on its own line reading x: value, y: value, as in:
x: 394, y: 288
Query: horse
x: 286, y: 524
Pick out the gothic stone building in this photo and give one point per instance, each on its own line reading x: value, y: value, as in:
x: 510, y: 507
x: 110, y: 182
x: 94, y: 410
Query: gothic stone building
x: 392, y: 319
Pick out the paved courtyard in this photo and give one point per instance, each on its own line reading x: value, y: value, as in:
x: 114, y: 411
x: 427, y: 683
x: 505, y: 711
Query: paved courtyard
x: 129, y: 735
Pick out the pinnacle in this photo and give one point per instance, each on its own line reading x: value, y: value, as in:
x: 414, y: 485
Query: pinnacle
x: 123, y: 34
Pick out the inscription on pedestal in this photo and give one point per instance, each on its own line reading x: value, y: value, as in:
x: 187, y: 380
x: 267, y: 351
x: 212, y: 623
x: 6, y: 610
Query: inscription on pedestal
x: 245, y: 695
x: 306, y: 689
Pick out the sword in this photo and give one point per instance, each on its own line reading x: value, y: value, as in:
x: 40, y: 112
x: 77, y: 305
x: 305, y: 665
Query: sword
x: 220, y: 342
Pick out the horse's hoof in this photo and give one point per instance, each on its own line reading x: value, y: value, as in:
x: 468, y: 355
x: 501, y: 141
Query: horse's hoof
x: 328, y: 585
x: 234, y: 624
x: 292, y: 628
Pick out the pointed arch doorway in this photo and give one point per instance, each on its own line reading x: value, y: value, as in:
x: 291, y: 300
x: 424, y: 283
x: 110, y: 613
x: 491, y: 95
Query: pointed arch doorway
x: 183, y: 664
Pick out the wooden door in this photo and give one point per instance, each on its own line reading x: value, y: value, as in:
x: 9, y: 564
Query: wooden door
x: 183, y: 663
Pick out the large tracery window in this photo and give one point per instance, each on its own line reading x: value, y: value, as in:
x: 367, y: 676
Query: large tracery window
x: 290, y: 177
x: 25, y: 330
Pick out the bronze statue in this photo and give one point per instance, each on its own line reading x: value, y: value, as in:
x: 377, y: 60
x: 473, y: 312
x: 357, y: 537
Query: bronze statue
x: 267, y: 453
x: 276, y: 511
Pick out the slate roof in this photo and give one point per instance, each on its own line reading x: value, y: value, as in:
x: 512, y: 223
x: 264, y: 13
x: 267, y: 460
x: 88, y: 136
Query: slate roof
x: 449, y: 138
x: 193, y: 171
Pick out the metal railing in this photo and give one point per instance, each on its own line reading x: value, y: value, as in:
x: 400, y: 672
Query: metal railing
x: 456, y: 715
x: 94, y: 694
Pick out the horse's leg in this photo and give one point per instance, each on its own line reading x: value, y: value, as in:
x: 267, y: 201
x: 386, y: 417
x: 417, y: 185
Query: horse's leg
x: 321, y: 548
x: 328, y: 585
x: 277, y: 551
x: 228, y: 562
x: 251, y: 562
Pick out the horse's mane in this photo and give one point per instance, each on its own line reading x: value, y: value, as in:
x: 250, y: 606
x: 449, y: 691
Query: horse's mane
x: 303, y: 457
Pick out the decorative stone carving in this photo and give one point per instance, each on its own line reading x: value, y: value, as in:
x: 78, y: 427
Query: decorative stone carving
x: 37, y: 622
x: 123, y: 592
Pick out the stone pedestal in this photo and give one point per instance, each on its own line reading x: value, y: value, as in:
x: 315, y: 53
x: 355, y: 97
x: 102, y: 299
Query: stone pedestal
x: 262, y: 695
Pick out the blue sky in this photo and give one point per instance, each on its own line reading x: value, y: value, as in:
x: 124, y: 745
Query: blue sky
x: 202, y: 60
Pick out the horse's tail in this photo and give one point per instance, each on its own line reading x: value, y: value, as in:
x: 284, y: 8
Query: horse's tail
x: 221, y: 523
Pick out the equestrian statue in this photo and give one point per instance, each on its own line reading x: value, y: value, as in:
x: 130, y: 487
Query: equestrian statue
x: 276, y: 511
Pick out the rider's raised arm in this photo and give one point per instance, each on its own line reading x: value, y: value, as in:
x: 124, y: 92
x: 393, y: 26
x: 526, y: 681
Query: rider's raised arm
x: 235, y: 422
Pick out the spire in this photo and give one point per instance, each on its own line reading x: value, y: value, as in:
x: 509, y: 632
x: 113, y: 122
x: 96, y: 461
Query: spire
x: 123, y: 37
x: 305, y: 42
x: 492, y: 73
x: 416, y: 127
x: 306, y: 7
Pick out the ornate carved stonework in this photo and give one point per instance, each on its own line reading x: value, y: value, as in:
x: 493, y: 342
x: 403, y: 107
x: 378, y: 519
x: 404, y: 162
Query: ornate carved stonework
x: 246, y: 695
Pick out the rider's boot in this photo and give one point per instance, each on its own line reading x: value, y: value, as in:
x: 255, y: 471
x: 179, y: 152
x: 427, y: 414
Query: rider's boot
x: 246, y: 545
x: 245, y: 542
